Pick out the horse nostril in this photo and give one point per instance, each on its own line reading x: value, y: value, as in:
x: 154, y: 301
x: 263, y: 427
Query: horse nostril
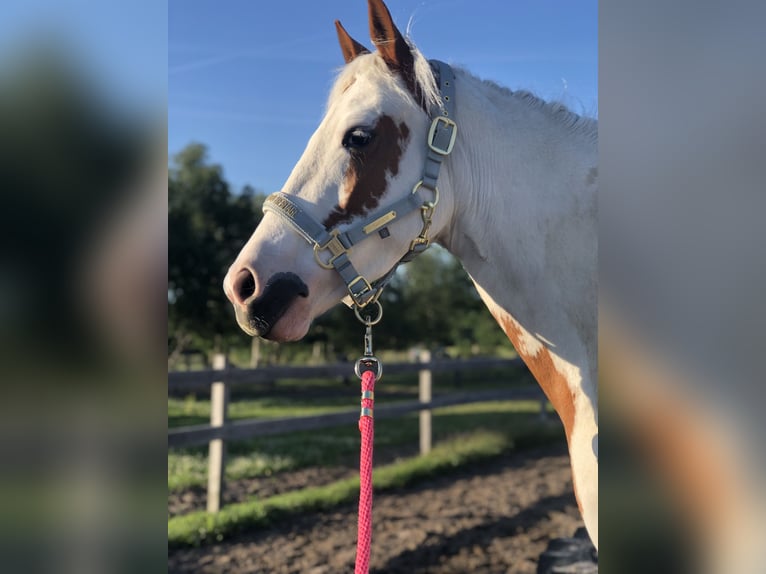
x: 244, y: 285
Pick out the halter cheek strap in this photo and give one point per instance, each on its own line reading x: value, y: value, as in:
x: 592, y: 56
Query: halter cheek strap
x: 441, y: 139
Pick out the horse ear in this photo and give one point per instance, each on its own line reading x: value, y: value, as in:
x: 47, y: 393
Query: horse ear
x: 390, y: 43
x: 350, y: 47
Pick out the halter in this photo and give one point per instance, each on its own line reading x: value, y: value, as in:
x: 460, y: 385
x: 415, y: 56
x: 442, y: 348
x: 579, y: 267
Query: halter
x: 440, y: 141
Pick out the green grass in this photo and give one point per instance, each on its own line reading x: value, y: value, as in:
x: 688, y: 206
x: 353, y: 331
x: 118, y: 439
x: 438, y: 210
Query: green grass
x: 200, y: 527
x: 339, y: 445
x: 193, y: 411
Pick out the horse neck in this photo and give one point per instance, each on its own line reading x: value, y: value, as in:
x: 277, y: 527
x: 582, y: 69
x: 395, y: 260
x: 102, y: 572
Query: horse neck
x: 522, y: 183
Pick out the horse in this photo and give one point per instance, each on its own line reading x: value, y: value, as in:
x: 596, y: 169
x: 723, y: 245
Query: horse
x: 515, y: 203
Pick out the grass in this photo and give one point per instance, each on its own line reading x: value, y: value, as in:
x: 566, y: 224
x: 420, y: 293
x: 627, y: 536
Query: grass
x: 265, y: 456
x: 199, y: 527
x: 193, y: 411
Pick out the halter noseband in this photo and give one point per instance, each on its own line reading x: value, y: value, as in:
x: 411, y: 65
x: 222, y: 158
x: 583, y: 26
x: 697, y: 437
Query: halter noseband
x: 441, y: 139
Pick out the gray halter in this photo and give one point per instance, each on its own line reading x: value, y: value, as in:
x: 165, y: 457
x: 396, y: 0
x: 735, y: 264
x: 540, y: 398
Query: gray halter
x: 440, y: 141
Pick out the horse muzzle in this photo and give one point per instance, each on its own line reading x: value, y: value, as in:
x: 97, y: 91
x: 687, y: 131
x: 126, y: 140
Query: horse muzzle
x: 257, y: 315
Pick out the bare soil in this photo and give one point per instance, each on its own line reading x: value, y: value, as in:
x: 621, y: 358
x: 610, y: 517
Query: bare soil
x: 263, y: 487
x: 496, y: 517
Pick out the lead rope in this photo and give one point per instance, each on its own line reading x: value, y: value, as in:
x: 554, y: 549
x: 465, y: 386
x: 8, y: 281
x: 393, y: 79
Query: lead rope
x: 368, y: 368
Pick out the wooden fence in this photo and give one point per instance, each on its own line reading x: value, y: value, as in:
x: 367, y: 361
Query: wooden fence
x: 221, y: 378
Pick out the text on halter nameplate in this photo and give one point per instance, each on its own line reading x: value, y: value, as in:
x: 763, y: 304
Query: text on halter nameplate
x: 284, y: 205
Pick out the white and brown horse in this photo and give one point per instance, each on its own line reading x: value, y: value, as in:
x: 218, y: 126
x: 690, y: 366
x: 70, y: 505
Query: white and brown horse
x: 517, y: 206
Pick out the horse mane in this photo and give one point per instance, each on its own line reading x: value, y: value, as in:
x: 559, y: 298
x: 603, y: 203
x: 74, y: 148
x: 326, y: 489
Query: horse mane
x: 561, y: 114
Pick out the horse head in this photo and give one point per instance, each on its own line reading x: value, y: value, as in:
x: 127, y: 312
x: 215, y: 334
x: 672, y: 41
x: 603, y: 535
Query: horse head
x: 353, y: 207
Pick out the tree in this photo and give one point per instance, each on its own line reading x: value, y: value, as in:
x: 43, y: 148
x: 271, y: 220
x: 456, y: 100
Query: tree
x: 207, y: 227
x: 443, y: 306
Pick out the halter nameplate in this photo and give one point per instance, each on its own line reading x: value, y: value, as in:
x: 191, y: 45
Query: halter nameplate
x: 440, y: 141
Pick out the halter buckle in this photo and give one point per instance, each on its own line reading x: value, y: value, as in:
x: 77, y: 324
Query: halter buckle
x: 366, y: 288
x: 335, y: 246
x: 448, y: 124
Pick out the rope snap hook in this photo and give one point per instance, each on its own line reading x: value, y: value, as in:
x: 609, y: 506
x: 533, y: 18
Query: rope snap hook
x: 368, y: 361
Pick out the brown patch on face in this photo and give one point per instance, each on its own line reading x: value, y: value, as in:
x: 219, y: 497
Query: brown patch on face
x: 365, y: 178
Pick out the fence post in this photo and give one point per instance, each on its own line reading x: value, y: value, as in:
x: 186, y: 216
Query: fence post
x: 219, y: 399
x: 424, y: 394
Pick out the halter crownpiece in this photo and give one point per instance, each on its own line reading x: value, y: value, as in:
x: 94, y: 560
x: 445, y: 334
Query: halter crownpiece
x: 440, y: 141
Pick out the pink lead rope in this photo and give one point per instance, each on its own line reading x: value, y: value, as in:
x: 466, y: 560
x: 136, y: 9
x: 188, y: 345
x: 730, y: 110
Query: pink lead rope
x: 366, y: 428
x: 369, y: 369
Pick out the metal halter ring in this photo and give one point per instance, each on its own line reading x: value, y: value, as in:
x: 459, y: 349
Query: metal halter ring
x: 369, y: 321
x: 435, y: 190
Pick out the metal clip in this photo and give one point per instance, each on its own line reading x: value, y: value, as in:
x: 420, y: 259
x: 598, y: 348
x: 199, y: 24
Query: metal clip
x: 419, y: 244
x: 369, y: 362
x: 368, y: 341
x: 426, y: 213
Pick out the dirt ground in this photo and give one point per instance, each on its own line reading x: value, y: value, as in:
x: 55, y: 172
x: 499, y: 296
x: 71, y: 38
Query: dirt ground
x: 241, y: 490
x: 496, y: 517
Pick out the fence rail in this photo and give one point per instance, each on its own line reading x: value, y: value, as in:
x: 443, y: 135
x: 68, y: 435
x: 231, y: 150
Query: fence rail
x: 201, y: 380
x: 222, y: 378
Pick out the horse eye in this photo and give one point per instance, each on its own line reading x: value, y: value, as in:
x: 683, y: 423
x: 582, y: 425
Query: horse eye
x: 356, y: 138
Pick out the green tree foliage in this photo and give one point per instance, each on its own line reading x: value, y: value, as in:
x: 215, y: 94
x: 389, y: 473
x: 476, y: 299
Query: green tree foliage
x: 442, y: 307
x: 207, y: 227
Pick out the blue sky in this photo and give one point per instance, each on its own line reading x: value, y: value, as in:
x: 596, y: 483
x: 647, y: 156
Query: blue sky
x: 250, y: 78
